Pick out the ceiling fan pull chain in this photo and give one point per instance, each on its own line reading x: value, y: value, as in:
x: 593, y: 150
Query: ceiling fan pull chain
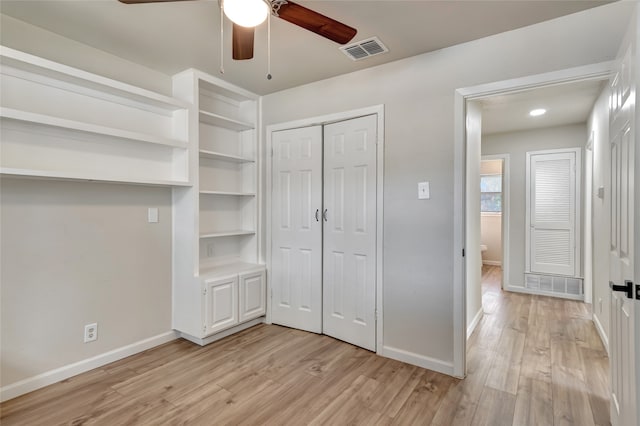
x: 221, y: 36
x: 269, y: 47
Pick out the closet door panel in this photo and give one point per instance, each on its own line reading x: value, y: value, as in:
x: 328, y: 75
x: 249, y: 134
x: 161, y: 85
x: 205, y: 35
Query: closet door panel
x: 349, y: 239
x: 296, y: 273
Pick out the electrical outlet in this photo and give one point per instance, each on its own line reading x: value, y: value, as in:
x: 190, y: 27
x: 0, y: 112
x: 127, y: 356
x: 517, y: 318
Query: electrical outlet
x: 90, y: 332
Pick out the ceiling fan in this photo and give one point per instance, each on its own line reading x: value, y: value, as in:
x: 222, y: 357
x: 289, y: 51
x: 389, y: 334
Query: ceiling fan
x: 247, y: 14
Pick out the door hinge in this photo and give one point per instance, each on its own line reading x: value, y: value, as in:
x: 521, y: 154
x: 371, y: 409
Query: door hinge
x: 272, y: 152
x: 204, y: 328
x: 462, y: 252
x: 271, y: 294
x: 204, y: 291
x: 626, y: 288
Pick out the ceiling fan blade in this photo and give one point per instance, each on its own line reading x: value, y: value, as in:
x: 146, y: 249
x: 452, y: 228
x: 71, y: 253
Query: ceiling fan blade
x: 146, y: 1
x: 316, y: 22
x: 242, y: 42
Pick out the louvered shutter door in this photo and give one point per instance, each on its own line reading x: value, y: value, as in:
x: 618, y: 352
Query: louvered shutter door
x: 552, y: 213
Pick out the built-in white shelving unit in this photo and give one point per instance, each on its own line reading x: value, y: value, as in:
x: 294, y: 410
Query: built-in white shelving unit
x: 63, y: 123
x: 59, y: 122
x: 218, y: 281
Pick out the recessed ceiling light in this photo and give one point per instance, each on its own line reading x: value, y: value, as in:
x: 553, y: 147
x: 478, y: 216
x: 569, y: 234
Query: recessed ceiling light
x: 537, y: 112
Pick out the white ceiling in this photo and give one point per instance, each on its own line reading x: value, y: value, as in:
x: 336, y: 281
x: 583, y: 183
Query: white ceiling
x: 569, y: 103
x: 171, y: 37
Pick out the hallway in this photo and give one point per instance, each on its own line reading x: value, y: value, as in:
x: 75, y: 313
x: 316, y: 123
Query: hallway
x: 537, y: 357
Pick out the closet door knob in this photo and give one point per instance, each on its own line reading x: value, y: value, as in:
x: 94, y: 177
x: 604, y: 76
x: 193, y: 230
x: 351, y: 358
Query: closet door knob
x: 324, y: 215
x: 317, y: 212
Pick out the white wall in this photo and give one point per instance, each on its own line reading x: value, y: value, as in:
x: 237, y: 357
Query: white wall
x: 491, y: 236
x: 74, y: 253
x: 418, y: 94
x: 37, y: 41
x: 517, y: 144
x: 599, y: 125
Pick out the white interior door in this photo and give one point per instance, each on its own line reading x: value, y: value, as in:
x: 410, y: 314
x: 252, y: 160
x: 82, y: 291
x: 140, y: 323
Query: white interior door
x: 623, y: 343
x: 296, y: 246
x: 349, y: 253
x: 552, y: 197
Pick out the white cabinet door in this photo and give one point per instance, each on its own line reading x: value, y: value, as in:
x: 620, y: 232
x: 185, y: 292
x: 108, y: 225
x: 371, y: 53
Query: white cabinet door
x: 349, y: 253
x: 252, y: 295
x: 552, y: 196
x: 624, y: 345
x: 221, y: 304
x: 296, y: 246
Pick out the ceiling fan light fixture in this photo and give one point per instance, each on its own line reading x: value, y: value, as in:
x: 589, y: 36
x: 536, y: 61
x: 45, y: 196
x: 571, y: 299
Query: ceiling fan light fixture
x: 246, y: 13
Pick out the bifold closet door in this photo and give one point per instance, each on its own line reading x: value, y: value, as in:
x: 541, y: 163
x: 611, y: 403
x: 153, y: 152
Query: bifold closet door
x: 349, y: 235
x: 296, y: 228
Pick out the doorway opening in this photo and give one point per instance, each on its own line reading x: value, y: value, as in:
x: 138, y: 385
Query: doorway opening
x: 472, y: 122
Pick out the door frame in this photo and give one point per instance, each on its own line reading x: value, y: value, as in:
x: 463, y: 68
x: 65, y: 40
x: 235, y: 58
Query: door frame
x: 599, y: 71
x: 579, y: 209
x: 323, y: 120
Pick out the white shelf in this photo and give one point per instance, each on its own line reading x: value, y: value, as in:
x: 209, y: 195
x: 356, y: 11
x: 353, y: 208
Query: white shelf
x: 227, y: 234
x: 99, y: 86
x: 236, y: 194
x: 77, y: 126
x: 229, y: 269
x: 55, y: 175
x: 221, y: 121
x: 218, y: 86
x: 226, y: 157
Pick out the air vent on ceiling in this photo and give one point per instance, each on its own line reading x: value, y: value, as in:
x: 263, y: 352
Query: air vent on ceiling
x: 364, y: 49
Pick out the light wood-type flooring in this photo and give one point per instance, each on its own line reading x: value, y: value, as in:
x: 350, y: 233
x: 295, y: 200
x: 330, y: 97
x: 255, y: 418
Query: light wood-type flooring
x: 531, y: 361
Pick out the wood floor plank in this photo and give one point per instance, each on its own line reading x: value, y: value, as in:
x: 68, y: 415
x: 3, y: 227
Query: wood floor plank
x: 571, y: 404
x: 534, y: 403
x: 394, y: 378
x: 349, y: 404
x: 596, y: 367
x: 496, y: 408
x: 564, y: 353
x: 505, y: 370
x: 425, y: 400
x: 532, y: 360
x: 459, y: 405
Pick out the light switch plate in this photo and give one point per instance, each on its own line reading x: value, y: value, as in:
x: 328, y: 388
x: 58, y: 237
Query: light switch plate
x: 423, y: 191
x: 153, y: 215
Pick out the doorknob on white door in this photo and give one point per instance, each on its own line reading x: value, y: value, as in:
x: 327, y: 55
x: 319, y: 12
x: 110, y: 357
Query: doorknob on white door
x: 317, y: 218
x: 324, y: 215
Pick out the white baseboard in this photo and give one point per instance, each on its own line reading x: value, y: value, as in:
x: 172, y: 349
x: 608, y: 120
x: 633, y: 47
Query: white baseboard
x: 603, y: 335
x: 53, y: 376
x: 474, y: 323
x: 419, y: 360
x: 492, y: 262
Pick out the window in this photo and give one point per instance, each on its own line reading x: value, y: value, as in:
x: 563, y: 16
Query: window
x: 491, y: 193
